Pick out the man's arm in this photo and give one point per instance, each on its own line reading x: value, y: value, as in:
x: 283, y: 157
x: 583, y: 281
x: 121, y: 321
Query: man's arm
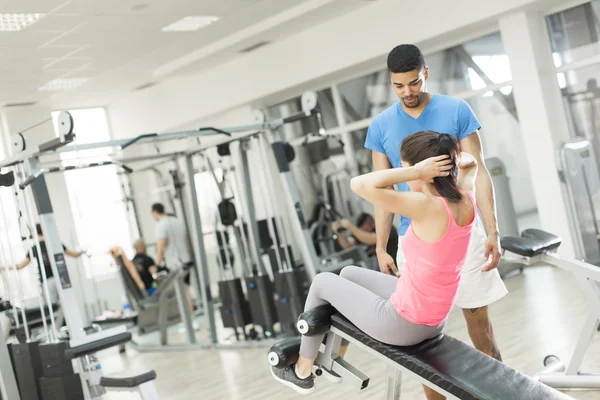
x: 368, y: 238
x: 383, y: 221
x: 75, y: 254
x: 20, y: 265
x: 160, y: 250
x: 131, y: 268
x: 485, y: 198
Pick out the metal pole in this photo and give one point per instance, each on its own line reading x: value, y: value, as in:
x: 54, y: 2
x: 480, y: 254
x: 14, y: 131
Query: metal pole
x: 252, y: 225
x: 200, y: 252
x: 184, y: 215
x: 65, y: 289
x: 346, y: 136
x: 311, y: 260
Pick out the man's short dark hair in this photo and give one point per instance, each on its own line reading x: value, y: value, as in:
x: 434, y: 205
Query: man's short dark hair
x: 405, y: 58
x: 159, y: 208
x: 362, y: 218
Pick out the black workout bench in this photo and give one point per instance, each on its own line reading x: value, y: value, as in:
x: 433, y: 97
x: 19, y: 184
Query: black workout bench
x: 447, y: 365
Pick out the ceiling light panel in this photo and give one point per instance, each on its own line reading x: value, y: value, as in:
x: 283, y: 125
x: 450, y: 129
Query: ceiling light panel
x: 190, y: 23
x: 63, y: 84
x: 16, y: 22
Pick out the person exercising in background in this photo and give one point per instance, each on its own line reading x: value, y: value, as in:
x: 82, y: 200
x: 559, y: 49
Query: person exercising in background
x: 419, y: 110
x: 172, y: 245
x: 141, y: 267
x: 46, y: 262
x: 363, y: 232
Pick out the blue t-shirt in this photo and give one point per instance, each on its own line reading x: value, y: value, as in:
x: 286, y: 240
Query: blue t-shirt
x: 443, y: 114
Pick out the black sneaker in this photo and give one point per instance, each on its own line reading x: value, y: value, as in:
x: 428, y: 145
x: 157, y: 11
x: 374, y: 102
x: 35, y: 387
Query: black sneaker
x: 288, y: 377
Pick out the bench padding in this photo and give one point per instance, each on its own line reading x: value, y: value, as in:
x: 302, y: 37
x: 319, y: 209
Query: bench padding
x: 456, y: 367
x: 532, y: 242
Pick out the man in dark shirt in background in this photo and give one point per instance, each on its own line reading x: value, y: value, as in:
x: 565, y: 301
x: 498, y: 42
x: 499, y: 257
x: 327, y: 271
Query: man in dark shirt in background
x: 363, y: 233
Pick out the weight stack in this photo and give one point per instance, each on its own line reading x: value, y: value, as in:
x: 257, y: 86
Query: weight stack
x: 261, y: 300
x: 64, y: 388
x: 54, y: 362
x: 25, y: 358
x: 290, y: 302
x: 235, y: 310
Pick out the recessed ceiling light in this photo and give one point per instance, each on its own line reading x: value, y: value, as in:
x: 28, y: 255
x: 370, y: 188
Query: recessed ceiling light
x: 63, y: 84
x: 190, y: 23
x: 16, y: 22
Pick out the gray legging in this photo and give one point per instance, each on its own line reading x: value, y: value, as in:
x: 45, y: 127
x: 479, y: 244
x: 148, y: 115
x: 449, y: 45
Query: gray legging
x: 363, y: 297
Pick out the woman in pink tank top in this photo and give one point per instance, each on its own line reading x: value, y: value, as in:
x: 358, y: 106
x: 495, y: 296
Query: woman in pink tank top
x: 410, y: 309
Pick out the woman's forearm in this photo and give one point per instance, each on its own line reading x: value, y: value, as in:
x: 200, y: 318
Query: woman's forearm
x: 385, y: 178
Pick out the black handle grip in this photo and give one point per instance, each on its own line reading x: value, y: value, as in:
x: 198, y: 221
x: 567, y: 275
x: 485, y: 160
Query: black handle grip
x: 135, y: 139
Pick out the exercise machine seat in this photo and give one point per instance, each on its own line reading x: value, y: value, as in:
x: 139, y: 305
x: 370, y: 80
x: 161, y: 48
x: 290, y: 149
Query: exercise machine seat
x: 532, y: 242
x: 127, y: 379
x: 456, y: 367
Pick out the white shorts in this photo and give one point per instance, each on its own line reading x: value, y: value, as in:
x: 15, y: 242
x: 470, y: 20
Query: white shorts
x: 476, y: 288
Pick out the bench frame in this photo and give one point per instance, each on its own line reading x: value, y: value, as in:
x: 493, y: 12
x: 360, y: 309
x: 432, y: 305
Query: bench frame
x: 329, y: 359
x: 557, y: 374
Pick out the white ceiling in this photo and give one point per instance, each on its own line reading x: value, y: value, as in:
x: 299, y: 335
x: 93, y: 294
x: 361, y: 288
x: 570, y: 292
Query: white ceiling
x: 118, y: 44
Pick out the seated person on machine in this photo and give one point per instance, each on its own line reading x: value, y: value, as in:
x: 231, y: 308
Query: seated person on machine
x: 407, y: 310
x: 363, y: 232
x: 141, y: 267
x: 47, y: 267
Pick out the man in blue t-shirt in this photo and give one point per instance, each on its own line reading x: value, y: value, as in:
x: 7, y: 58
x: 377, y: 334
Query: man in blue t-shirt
x: 416, y: 111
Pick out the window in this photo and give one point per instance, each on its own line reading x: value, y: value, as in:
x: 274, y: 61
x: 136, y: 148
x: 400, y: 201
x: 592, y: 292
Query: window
x: 95, y: 195
x: 574, y: 33
x: 24, y: 283
x: 574, y: 37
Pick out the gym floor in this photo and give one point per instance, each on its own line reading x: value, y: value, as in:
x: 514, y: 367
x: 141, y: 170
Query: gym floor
x: 541, y: 315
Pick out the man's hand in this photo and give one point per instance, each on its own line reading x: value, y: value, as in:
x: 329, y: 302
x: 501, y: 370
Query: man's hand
x: 386, y: 263
x: 492, y: 247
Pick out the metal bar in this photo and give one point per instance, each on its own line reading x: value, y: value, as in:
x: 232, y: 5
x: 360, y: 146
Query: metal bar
x: 183, y: 309
x: 393, y: 384
x: 574, y: 266
x: 43, y: 171
x: 349, y: 151
x: 579, y: 381
x: 161, y: 137
x: 68, y: 299
x: 201, y: 261
x: 311, y: 261
x: 252, y: 225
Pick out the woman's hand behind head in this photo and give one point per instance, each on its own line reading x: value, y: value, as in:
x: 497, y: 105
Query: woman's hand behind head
x: 434, y: 167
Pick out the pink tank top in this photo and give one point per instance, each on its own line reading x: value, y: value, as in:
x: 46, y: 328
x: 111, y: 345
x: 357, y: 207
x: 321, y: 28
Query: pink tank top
x: 426, y: 290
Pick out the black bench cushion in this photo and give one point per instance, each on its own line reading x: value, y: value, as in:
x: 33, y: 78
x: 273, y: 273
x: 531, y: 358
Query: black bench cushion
x: 532, y: 242
x: 127, y: 380
x: 456, y: 367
